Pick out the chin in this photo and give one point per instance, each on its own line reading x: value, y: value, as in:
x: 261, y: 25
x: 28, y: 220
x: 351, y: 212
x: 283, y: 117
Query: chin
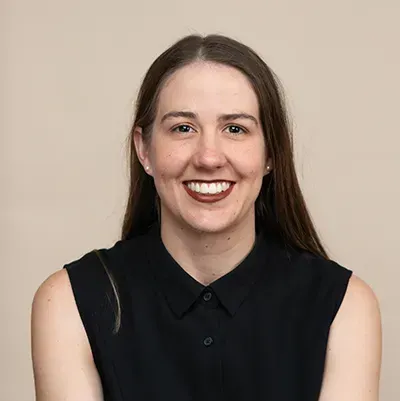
x: 203, y: 221
x: 209, y: 225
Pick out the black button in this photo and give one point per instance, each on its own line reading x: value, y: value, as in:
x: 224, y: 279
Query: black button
x: 208, y: 341
x: 207, y: 296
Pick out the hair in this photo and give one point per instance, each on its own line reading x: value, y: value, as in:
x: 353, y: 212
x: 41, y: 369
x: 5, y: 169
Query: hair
x: 280, y: 206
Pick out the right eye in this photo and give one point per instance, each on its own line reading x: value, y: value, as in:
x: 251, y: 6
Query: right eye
x: 183, y: 129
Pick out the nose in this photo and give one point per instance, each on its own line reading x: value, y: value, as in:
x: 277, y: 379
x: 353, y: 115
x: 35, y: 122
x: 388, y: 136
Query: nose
x: 209, y: 153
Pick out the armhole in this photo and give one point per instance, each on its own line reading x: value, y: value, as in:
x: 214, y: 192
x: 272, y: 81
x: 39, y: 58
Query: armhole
x: 340, y: 284
x: 91, y: 289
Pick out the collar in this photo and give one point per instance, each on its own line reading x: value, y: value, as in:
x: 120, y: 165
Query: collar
x: 181, y: 290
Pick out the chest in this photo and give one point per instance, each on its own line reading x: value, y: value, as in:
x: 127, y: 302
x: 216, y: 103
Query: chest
x: 272, y: 348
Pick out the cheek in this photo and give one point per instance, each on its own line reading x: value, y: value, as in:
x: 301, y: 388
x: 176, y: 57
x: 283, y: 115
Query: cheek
x: 251, y: 162
x: 168, y: 161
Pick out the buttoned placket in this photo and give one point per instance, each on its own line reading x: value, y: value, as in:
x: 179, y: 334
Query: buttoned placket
x: 211, y: 341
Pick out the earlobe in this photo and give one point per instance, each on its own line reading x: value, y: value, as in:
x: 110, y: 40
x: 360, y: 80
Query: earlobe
x: 141, y: 148
x: 268, y: 167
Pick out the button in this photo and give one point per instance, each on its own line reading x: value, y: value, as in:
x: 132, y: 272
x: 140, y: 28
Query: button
x: 207, y: 296
x: 208, y: 341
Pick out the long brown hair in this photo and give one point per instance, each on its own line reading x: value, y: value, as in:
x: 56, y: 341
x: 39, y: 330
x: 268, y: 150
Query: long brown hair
x: 280, y: 206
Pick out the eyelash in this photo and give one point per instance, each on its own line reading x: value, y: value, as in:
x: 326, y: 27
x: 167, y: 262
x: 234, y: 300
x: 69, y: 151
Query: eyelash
x: 244, y: 131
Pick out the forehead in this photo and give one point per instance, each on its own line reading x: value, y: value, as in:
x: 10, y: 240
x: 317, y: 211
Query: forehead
x: 208, y: 89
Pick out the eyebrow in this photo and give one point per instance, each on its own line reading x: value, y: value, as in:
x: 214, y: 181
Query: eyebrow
x: 222, y: 117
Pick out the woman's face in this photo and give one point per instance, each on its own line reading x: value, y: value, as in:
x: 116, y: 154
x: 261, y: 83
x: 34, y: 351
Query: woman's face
x: 207, y: 153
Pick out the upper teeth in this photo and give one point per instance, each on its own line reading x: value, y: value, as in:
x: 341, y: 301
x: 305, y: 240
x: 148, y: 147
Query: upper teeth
x: 208, y: 188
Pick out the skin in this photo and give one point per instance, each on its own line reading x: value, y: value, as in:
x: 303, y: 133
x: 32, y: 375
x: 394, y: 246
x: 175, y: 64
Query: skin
x: 354, y: 352
x: 207, y: 240
x: 63, y: 365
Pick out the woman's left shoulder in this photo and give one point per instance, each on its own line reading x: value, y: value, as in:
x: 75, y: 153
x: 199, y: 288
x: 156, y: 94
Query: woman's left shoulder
x: 353, y: 298
x: 323, y: 267
x: 357, y: 292
x: 335, y: 287
x: 354, y: 349
x: 359, y: 301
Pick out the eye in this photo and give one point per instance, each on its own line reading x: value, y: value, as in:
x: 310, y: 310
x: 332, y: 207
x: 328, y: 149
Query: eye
x: 183, y: 129
x: 235, y: 130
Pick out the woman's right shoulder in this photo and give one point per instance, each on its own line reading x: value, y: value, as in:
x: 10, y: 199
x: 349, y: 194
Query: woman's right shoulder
x: 58, y: 339
x: 53, y: 303
x: 63, y: 364
x: 55, y: 288
x: 115, y: 257
x: 58, y: 291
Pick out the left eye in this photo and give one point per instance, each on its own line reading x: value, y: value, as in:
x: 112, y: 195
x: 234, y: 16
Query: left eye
x: 235, y: 130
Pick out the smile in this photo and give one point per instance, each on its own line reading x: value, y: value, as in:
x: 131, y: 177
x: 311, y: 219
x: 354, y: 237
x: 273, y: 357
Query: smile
x: 208, y: 191
x: 209, y: 188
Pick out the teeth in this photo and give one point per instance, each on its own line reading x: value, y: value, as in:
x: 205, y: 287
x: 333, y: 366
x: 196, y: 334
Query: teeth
x: 205, y: 188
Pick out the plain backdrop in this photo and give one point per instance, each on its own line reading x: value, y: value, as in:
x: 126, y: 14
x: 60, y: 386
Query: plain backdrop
x: 69, y: 73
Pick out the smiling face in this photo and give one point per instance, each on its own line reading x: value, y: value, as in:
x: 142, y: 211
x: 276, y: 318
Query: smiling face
x: 206, y: 153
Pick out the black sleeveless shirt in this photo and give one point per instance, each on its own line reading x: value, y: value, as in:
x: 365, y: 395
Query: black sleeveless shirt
x: 259, y: 332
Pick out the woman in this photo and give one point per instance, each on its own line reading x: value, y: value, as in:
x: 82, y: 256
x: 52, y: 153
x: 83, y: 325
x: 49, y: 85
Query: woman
x: 219, y: 287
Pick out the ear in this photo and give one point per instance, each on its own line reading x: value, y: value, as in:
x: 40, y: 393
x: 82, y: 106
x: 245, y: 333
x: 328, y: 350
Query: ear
x: 268, y: 167
x: 142, y: 150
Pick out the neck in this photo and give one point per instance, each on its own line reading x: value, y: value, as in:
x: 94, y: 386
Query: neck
x: 208, y: 256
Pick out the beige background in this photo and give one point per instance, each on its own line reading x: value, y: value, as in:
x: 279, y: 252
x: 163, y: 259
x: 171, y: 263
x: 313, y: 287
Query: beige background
x: 69, y: 73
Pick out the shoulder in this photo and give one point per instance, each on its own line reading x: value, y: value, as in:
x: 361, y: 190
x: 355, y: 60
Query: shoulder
x: 53, y: 292
x: 55, y: 322
x: 62, y: 360
x: 120, y: 253
x: 53, y: 304
x: 326, y: 273
x: 313, y: 282
x: 305, y: 267
x: 319, y: 266
x: 360, y: 302
x: 95, y: 268
x: 354, y: 296
x: 58, y: 299
x: 99, y: 277
x: 354, y: 349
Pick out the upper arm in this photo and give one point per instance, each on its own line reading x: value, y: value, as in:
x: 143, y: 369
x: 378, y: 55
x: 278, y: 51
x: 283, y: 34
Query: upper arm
x: 63, y: 365
x: 353, y: 359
